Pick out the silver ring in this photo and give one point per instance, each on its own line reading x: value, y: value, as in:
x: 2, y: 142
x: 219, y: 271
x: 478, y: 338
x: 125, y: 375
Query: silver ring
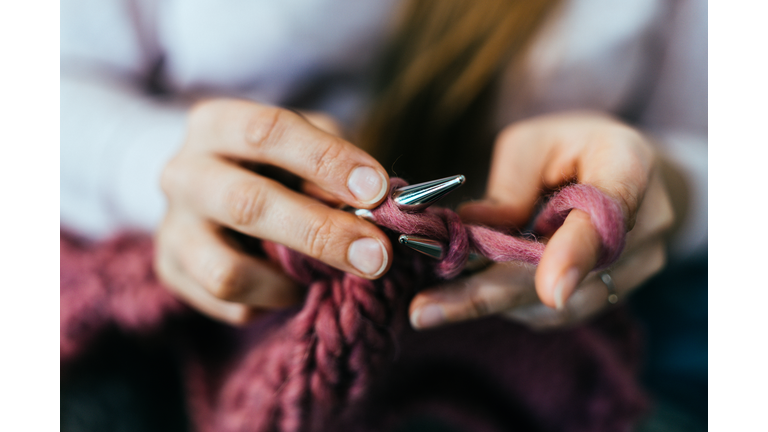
x: 613, y: 295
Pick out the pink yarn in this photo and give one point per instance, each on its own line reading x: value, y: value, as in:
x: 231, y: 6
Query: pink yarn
x: 605, y: 214
x: 326, y: 355
x: 445, y: 225
x: 310, y: 369
x: 101, y: 291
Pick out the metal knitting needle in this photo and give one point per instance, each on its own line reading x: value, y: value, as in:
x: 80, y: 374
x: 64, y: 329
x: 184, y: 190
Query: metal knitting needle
x: 415, y: 198
x: 435, y: 249
x: 424, y: 245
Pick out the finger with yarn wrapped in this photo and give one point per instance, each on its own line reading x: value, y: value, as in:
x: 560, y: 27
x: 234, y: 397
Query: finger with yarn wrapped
x: 441, y: 225
x: 570, y: 255
x: 605, y: 213
x: 345, y: 331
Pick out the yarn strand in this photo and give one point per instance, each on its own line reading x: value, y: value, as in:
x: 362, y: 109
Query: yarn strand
x: 308, y: 371
x: 445, y: 226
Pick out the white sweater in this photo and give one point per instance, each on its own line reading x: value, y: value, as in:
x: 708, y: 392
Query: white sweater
x: 643, y: 59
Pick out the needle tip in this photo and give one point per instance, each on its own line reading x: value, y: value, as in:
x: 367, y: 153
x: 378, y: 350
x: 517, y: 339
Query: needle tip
x: 426, y: 246
x: 417, y: 197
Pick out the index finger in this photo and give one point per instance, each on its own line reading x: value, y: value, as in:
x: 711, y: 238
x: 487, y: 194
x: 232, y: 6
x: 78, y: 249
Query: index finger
x: 248, y: 131
x: 570, y: 254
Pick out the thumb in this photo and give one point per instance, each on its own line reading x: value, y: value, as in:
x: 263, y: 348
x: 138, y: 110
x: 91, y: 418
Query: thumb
x: 496, y: 289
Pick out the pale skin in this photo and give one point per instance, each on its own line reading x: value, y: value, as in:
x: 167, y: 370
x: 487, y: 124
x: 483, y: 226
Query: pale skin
x: 208, y: 190
x: 546, y: 152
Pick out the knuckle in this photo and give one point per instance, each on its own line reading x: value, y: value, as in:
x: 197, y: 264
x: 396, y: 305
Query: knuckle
x: 246, y: 204
x: 324, y: 159
x: 240, y: 320
x: 166, y: 272
x: 265, y: 128
x: 160, y: 265
x: 479, y: 306
x: 205, y: 113
x: 200, y: 111
x: 169, y: 177
x: 511, y: 135
x: 658, y: 258
x: 225, y: 280
x: 318, y: 236
x: 627, y: 194
x: 636, y: 152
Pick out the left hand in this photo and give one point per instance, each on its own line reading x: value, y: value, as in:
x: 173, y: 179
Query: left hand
x: 544, y: 153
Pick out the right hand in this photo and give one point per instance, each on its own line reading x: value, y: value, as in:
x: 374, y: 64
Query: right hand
x: 208, y: 189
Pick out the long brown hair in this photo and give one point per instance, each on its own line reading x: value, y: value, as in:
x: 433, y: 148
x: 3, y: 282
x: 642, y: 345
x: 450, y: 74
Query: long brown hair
x: 435, y: 90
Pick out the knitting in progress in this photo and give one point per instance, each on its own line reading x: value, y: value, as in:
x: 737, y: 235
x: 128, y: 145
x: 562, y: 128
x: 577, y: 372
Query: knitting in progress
x: 347, y: 359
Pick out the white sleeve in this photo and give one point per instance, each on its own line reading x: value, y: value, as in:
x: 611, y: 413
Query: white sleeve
x: 115, y: 137
x: 677, y: 117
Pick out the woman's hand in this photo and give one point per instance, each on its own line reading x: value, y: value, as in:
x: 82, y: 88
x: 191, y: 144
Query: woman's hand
x: 541, y: 154
x: 208, y: 190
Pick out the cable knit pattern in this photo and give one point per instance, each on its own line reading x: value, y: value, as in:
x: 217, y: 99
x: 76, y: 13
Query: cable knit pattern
x: 314, y: 367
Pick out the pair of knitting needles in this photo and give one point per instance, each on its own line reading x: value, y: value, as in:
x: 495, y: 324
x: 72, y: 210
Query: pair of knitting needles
x: 416, y: 198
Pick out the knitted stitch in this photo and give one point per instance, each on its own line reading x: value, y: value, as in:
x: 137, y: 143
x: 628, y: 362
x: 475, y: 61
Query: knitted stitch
x: 313, y: 368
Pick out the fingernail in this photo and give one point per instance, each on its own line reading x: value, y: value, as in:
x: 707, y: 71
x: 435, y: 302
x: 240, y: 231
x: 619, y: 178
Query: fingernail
x: 367, y: 184
x: 368, y: 256
x: 431, y: 315
x: 565, y: 287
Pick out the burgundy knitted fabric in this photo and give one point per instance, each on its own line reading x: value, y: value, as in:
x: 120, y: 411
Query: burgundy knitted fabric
x: 109, y: 284
x: 312, y: 369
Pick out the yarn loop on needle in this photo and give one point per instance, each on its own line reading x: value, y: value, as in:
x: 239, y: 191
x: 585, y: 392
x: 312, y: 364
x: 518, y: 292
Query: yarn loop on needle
x: 309, y: 368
